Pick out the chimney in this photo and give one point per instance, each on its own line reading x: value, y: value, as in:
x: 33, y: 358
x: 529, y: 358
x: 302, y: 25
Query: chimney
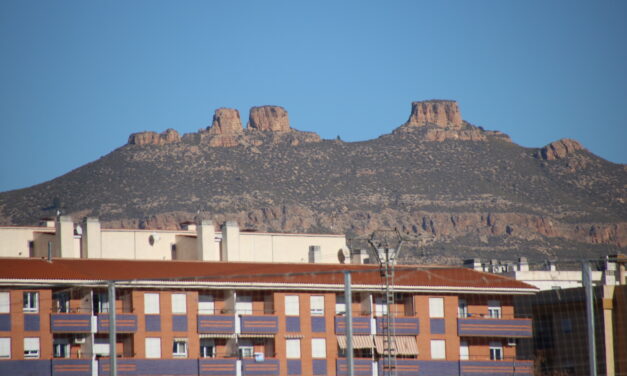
x: 230, y: 242
x: 205, y: 237
x: 64, y: 238
x: 91, y: 242
x: 523, y: 265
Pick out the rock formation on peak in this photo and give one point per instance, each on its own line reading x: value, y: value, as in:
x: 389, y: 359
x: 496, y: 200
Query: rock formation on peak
x: 443, y: 113
x: 559, y: 149
x: 226, y: 121
x: 154, y: 138
x: 269, y: 118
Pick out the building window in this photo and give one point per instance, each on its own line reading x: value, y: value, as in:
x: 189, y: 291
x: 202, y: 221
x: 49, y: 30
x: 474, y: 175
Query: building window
x: 153, y: 348
x: 380, y: 306
x: 61, y: 348
x: 179, y: 348
x: 244, y: 305
x: 206, y: 305
x: 5, y: 348
x: 436, y: 307
x: 463, y: 350
x: 31, y: 347
x: 62, y: 301
x: 292, y: 348
x: 314, y: 254
x: 340, y: 305
x: 31, y: 301
x: 292, y: 305
x: 5, y: 302
x: 462, y: 309
x: 494, y: 309
x: 496, y: 350
x: 101, y: 302
x: 438, y: 349
x: 246, y: 349
x: 151, y: 304
x: 316, y: 303
x: 318, y: 348
x: 207, y: 348
x: 179, y: 303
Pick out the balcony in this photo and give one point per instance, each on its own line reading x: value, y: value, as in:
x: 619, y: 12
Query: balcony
x: 361, y: 367
x: 361, y: 325
x: 490, y: 327
x: 268, y: 367
x: 496, y: 367
x: 71, y: 367
x: 124, y: 323
x: 216, y: 324
x: 70, y: 323
x: 401, y: 325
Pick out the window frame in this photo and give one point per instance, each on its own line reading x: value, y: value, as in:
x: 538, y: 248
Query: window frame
x: 435, y: 348
x: 203, y: 305
x: 316, y: 305
x: 30, y: 304
x: 462, y: 308
x: 496, y: 350
x: 243, y: 304
x: 292, y: 305
x: 464, y: 354
x: 179, y: 303
x: 151, y: 303
x: 436, y: 307
x: 61, y: 349
x: 209, y: 343
x: 292, y: 348
x: 495, y: 310
x: 5, y: 344
x: 318, y: 348
x: 153, y: 341
x: 179, y: 344
x: 32, y: 353
x: 5, y: 302
x: 340, y: 301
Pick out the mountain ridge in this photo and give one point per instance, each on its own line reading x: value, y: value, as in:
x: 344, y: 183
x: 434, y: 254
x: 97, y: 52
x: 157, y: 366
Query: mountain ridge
x: 458, y: 189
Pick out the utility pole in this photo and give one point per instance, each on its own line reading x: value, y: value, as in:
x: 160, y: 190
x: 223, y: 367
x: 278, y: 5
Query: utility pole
x: 348, y: 300
x: 587, y: 283
x: 386, y: 250
x: 112, y: 330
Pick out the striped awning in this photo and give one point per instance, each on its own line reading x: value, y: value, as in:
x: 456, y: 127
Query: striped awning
x: 216, y: 335
x: 294, y: 336
x: 256, y: 335
x: 405, y: 345
x: 359, y: 342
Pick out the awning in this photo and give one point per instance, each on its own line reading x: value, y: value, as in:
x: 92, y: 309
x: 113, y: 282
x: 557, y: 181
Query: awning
x: 359, y: 342
x: 294, y: 336
x: 256, y: 335
x: 216, y: 335
x: 405, y: 345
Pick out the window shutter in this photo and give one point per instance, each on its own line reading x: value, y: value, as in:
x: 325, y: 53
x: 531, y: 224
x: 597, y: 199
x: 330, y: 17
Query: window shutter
x: 316, y: 303
x: 179, y: 303
x: 151, y: 303
x: 5, y: 348
x: 153, y: 348
x: 292, y: 348
x: 436, y: 307
x: 438, y: 349
x: 318, y: 348
x: 205, y: 304
x: 292, y: 305
x: 5, y: 302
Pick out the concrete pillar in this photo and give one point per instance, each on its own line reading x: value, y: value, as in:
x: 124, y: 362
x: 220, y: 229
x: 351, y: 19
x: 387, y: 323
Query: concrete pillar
x: 206, y: 246
x: 64, y: 238
x: 92, y: 238
x: 230, y: 242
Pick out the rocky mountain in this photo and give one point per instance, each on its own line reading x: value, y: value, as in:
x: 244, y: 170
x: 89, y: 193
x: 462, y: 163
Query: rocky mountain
x: 454, y: 189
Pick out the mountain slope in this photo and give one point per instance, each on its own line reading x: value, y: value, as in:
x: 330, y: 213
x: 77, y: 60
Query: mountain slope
x: 458, y: 190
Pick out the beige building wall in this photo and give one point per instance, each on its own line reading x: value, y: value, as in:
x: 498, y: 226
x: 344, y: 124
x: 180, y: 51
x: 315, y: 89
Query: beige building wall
x: 196, y: 242
x: 290, y: 247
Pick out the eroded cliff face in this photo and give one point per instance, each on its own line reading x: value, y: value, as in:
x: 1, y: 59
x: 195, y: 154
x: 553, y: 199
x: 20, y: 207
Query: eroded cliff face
x: 438, y: 178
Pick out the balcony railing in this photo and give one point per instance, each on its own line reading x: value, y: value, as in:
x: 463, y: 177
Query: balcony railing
x: 490, y: 327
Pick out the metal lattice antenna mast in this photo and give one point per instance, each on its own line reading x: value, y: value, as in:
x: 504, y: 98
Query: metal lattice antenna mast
x: 386, y: 251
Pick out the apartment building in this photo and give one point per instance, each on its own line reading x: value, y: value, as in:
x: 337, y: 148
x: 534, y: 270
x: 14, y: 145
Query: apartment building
x: 62, y: 238
x: 242, y: 318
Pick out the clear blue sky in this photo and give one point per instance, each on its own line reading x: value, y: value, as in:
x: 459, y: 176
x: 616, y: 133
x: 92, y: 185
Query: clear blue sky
x: 77, y: 77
